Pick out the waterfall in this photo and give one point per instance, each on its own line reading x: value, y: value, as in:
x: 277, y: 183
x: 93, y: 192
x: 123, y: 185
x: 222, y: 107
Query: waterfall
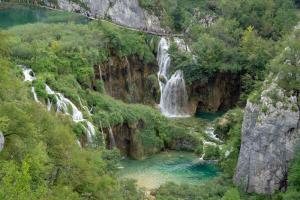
x: 173, y: 98
x: 63, y: 104
x: 2, y: 141
x: 29, y: 76
x: 210, y: 132
x: 28, y: 73
x: 112, y: 138
x: 49, y: 104
x: 35, y: 95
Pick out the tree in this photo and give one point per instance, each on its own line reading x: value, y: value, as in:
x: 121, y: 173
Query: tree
x: 179, y: 18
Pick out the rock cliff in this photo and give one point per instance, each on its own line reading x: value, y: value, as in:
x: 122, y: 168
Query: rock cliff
x: 220, y: 93
x: 128, y: 141
x: 124, y: 12
x: 270, y: 137
x: 129, y: 79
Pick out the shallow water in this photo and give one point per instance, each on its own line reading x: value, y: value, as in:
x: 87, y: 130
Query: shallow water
x: 14, y: 14
x: 178, y: 167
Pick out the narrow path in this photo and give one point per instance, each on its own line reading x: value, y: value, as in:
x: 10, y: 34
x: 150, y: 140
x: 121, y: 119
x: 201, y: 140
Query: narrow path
x: 122, y: 25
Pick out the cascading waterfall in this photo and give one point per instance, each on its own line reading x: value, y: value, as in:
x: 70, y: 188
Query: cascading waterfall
x: 28, y: 73
x: 173, y: 98
x: 29, y: 76
x: 210, y: 131
x: 111, y: 138
x: 63, y: 104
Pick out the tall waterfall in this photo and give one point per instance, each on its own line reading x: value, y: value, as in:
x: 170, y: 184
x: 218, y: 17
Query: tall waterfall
x: 173, y: 98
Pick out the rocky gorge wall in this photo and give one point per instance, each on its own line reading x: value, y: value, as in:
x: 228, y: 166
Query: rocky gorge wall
x: 124, y: 12
x: 129, y: 79
x: 270, y: 138
x: 221, y: 92
x: 132, y: 81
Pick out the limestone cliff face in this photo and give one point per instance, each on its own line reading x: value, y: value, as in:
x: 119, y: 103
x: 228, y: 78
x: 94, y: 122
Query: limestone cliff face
x: 270, y: 137
x: 124, y: 12
x: 129, y: 79
x: 128, y: 141
x: 220, y: 93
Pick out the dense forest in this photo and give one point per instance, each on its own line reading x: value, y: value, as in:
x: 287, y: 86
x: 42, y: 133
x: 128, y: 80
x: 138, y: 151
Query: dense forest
x: 257, y: 41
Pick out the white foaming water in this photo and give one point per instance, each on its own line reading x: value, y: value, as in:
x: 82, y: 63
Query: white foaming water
x: 173, y: 98
x: 90, y: 131
x: 28, y: 74
x: 67, y: 107
x: 35, y: 95
x: 63, y: 104
x: 112, y: 138
x: 181, y: 44
x: 210, y: 131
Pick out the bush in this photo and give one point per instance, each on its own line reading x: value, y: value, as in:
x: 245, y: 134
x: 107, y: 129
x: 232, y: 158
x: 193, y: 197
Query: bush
x: 212, y: 152
x: 231, y: 194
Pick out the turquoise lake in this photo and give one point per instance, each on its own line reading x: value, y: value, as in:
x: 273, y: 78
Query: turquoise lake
x: 12, y: 15
x: 177, y: 167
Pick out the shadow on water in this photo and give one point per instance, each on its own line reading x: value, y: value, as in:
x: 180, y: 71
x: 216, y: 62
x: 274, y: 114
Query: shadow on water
x: 14, y: 14
x: 209, y: 116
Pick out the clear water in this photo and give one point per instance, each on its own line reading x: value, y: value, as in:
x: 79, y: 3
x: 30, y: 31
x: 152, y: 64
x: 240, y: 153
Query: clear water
x: 13, y: 14
x: 209, y: 116
x: 178, y: 167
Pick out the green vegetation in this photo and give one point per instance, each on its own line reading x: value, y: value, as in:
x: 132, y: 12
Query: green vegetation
x: 239, y: 41
x: 41, y: 159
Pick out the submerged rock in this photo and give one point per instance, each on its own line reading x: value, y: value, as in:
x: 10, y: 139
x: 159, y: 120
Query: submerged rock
x: 270, y: 137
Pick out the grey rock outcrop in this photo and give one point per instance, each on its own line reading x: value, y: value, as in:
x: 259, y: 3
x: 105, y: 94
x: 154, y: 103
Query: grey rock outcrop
x: 270, y: 137
x: 123, y: 12
x: 2, y: 140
